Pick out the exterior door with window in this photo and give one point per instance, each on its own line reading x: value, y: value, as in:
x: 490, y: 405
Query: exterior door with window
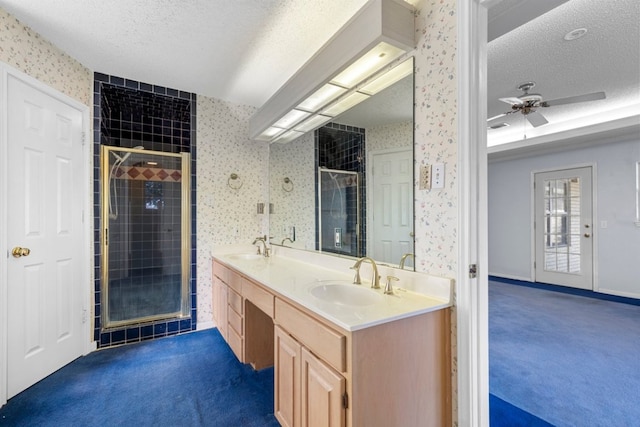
x: 564, y: 228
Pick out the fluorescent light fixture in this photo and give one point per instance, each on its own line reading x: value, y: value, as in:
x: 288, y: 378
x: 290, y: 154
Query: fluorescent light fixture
x: 345, y: 103
x: 269, y: 133
x: 288, y: 136
x: 312, y: 123
x: 322, y: 97
x: 343, y: 73
x: 371, y: 62
x: 387, y: 79
x: 291, y: 118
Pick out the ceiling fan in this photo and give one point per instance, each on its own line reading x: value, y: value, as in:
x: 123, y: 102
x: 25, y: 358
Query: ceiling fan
x: 529, y: 103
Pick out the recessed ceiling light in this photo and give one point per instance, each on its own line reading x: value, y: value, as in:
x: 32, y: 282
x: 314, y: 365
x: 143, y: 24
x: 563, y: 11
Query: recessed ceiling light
x: 575, y: 34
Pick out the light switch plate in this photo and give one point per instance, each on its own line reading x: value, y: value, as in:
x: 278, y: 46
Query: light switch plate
x: 437, y: 176
x: 425, y: 177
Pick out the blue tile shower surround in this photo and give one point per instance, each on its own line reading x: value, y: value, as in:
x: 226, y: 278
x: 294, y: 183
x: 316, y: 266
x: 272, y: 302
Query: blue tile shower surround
x: 174, y: 132
x: 342, y: 147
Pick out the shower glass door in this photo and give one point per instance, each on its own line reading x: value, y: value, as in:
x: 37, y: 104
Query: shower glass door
x: 145, y: 235
x: 339, y: 211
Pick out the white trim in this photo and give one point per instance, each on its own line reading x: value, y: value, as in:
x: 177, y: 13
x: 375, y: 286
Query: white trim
x: 86, y: 257
x: 3, y: 238
x: 205, y: 325
x: 472, y: 294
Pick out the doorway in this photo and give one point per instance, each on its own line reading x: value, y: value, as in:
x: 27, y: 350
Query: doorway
x: 45, y: 188
x: 563, y: 227
x: 390, y: 237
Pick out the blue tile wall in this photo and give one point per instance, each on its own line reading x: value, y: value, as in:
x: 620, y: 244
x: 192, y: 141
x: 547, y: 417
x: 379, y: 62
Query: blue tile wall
x: 178, y: 107
x: 342, y: 147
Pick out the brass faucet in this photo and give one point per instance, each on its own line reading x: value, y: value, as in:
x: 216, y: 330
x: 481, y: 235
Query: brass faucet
x: 265, y: 249
x: 404, y: 258
x: 285, y: 239
x: 375, y: 280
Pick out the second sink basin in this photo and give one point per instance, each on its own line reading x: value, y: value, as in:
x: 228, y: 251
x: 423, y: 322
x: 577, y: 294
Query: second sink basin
x: 338, y: 292
x: 246, y: 256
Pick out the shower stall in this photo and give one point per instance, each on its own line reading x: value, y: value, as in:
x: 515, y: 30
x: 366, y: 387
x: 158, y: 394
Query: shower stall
x: 145, y: 235
x: 339, y: 211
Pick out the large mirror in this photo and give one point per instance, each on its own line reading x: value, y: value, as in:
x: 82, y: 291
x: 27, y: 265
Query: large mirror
x: 347, y: 188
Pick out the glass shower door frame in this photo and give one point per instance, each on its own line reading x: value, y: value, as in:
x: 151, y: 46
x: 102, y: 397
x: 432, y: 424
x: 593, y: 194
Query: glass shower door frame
x: 185, y: 238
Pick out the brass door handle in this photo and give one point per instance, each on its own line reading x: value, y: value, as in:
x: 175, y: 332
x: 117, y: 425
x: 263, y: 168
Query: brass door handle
x: 587, y: 235
x: 18, y: 252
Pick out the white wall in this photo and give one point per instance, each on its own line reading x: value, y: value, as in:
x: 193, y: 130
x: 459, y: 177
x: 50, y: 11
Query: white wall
x: 618, y: 245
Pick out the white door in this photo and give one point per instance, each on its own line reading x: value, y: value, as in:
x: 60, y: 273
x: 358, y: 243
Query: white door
x: 45, y: 201
x: 390, y: 228
x: 563, y: 228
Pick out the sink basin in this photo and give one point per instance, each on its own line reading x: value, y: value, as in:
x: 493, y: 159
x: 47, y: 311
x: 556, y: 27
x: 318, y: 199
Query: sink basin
x: 246, y: 256
x: 345, y: 294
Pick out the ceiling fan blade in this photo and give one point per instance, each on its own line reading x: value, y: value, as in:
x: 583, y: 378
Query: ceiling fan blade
x: 511, y: 100
x: 573, y: 99
x: 536, y: 119
x: 496, y: 117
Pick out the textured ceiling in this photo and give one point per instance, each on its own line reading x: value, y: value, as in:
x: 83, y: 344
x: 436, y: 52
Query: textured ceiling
x: 243, y: 50
x: 606, y: 59
x: 236, y: 50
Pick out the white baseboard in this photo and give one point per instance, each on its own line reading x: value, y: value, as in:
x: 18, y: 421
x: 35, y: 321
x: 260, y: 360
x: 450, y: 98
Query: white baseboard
x: 205, y: 325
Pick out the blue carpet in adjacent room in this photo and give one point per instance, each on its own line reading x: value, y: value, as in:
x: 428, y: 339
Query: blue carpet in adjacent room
x: 185, y: 380
x: 566, y: 359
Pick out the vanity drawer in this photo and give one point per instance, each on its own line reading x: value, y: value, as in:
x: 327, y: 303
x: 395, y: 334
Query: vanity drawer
x: 235, y: 301
x: 220, y: 271
x: 258, y: 296
x: 321, y: 340
x: 235, y: 321
x: 235, y: 281
x: 235, y: 342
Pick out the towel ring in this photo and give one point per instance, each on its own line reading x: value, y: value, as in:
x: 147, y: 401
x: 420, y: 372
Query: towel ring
x: 287, y: 185
x: 234, y: 181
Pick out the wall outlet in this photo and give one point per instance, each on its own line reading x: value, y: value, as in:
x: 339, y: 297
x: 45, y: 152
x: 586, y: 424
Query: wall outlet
x: 437, y: 176
x: 425, y: 177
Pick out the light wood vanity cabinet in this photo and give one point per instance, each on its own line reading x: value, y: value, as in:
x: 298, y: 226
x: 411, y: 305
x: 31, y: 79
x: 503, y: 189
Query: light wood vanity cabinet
x: 308, y: 391
x: 394, y: 374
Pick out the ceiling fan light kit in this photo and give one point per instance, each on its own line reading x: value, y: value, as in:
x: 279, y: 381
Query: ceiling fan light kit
x: 529, y: 103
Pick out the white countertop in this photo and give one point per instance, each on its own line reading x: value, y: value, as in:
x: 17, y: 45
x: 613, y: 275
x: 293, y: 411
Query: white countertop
x: 293, y: 278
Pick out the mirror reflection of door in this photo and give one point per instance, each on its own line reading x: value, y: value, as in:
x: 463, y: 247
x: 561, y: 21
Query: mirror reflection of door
x: 390, y: 221
x: 564, y: 227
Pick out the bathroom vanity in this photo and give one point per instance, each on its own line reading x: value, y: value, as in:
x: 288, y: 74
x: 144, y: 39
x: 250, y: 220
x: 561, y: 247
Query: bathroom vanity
x: 344, y: 354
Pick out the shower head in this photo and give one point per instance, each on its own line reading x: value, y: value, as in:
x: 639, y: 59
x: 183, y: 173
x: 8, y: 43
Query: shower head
x: 121, y: 159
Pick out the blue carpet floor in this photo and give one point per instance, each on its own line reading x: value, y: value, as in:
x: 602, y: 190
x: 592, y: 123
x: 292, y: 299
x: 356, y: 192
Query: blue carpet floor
x: 565, y: 359
x: 185, y: 380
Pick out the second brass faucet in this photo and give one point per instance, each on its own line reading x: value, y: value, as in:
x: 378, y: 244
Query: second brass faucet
x: 375, y: 280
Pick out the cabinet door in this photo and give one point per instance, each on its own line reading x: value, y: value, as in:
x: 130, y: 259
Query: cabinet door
x: 287, y: 379
x: 322, y: 391
x: 220, y: 305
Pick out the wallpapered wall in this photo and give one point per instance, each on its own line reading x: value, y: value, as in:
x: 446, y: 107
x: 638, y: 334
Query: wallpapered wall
x: 436, y: 138
x: 28, y: 52
x: 396, y: 135
x: 224, y: 215
x: 297, y: 207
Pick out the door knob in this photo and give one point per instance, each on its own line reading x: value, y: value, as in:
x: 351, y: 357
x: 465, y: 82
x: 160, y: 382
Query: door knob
x: 18, y: 252
x: 587, y: 235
